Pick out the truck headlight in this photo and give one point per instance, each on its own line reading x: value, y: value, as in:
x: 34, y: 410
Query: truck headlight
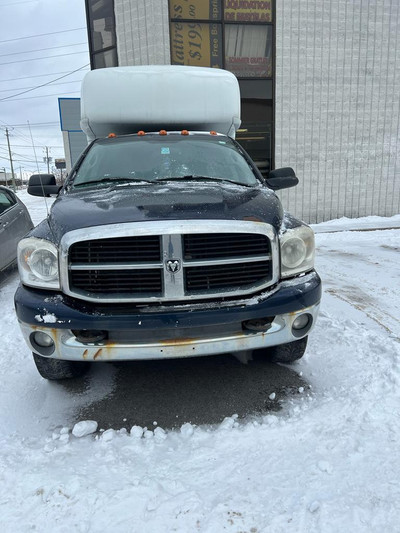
x: 297, y: 251
x: 38, y: 263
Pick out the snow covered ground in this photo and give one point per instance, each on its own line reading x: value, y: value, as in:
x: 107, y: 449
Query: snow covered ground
x: 328, y: 461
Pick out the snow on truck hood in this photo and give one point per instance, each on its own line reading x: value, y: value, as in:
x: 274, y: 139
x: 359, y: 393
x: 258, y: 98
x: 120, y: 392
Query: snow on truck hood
x: 165, y: 201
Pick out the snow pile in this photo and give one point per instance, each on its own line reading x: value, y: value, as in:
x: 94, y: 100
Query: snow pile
x: 328, y: 461
x: 84, y: 428
x: 352, y: 224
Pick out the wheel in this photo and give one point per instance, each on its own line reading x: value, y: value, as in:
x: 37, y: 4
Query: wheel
x: 55, y: 369
x: 283, y: 353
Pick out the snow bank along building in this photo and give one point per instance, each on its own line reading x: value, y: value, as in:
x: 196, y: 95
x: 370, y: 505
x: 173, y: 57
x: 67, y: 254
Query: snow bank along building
x: 319, y: 80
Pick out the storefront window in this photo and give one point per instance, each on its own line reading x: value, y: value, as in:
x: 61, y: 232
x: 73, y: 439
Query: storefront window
x: 101, y: 30
x: 248, y: 50
x: 102, y: 26
x: 105, y: 59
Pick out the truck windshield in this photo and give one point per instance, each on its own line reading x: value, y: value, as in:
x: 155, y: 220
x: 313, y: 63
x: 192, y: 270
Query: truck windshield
x: 153, y: 158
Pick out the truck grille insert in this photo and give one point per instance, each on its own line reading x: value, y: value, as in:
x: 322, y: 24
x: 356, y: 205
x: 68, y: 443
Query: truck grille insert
x: 226, y: 276
x: 118, y: 281
x: 117, y: 250
x: 224, y: 245
x: 198, y: 264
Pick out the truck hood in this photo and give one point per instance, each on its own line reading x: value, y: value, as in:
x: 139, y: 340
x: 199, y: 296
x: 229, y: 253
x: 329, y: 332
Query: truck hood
x: 83, y: 208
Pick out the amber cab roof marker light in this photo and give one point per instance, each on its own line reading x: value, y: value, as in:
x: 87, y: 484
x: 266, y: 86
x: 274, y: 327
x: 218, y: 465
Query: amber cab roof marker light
x: 213, y: 132
x: 141, y: 133
x: 184, y: 132
x: 162, y: 132
x: 111, y: 135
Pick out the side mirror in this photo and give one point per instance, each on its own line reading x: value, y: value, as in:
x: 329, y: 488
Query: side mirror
x: 43, y: 185
x: 282, y: 178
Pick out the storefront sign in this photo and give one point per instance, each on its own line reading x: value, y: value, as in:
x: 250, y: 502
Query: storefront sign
x: 195, y: 9
x: 249, y: 67
x: 60, y: 163
x: 248, y: 10
x: 196, y: 44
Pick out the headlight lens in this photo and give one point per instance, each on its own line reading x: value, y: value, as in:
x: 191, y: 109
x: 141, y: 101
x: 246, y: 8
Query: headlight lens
x: 297, y: 251
x: 38, y: 263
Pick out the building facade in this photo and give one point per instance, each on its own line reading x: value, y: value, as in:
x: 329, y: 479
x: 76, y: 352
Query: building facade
x: 319, y: 81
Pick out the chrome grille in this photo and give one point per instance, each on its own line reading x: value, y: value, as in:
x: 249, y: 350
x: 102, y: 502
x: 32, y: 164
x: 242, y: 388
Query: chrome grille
x: 169, y: 261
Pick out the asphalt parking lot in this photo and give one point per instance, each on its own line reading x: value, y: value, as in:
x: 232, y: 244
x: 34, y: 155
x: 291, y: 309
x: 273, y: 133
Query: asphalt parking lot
x: 170, y: 393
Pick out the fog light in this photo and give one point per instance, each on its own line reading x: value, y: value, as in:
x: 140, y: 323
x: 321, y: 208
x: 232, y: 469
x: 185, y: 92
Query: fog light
x: 302, y: 325
x: 42, y: 339
x: 42, y: 343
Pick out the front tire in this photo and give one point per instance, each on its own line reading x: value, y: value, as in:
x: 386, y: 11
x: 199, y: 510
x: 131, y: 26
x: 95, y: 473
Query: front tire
x: 55, y: 369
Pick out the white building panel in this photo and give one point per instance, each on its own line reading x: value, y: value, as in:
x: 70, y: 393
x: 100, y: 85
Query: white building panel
x: 142, y: 28
x: 337, y: 106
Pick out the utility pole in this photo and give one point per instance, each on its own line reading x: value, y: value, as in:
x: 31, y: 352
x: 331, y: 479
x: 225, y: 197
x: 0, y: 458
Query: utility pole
x: 11, y: 161
x: 47, y: 159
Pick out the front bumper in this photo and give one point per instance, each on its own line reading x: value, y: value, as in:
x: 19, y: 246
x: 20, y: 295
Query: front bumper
x: 140, y: 332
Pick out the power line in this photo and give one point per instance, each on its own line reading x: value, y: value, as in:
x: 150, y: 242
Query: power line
x: 45, y: 57
x: 41, y: 35
x: 42, y: 49
x: 24, y: 137
x: 32, y: 88
x: 28, y: 147
x: 32, y: 124
x: 16, y: 3
x: 19, y: 134
x: 44, y: 84
x: 27, y: 161
x: 36, y: 76
x: 44, y: 96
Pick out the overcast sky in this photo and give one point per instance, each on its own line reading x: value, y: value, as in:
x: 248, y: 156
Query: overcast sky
x: 26, y: 62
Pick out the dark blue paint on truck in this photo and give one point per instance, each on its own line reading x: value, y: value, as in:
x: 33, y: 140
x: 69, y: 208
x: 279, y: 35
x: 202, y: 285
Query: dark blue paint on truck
x: 65, y: 323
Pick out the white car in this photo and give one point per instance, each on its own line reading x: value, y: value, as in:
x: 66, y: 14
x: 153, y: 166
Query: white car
x: 15, y: 222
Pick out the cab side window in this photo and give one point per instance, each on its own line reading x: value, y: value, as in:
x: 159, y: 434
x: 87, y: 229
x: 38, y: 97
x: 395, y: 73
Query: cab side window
x: 6, y: 201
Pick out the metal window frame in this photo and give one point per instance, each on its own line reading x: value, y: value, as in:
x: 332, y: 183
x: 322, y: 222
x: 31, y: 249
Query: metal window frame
x: 89, y: 28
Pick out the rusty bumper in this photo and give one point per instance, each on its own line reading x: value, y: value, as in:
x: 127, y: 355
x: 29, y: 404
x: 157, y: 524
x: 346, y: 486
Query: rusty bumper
x: 167, y: 332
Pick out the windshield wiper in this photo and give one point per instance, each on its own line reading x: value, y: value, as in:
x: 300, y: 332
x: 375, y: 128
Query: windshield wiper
x: 199, y: 178
x: 112, y: 180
